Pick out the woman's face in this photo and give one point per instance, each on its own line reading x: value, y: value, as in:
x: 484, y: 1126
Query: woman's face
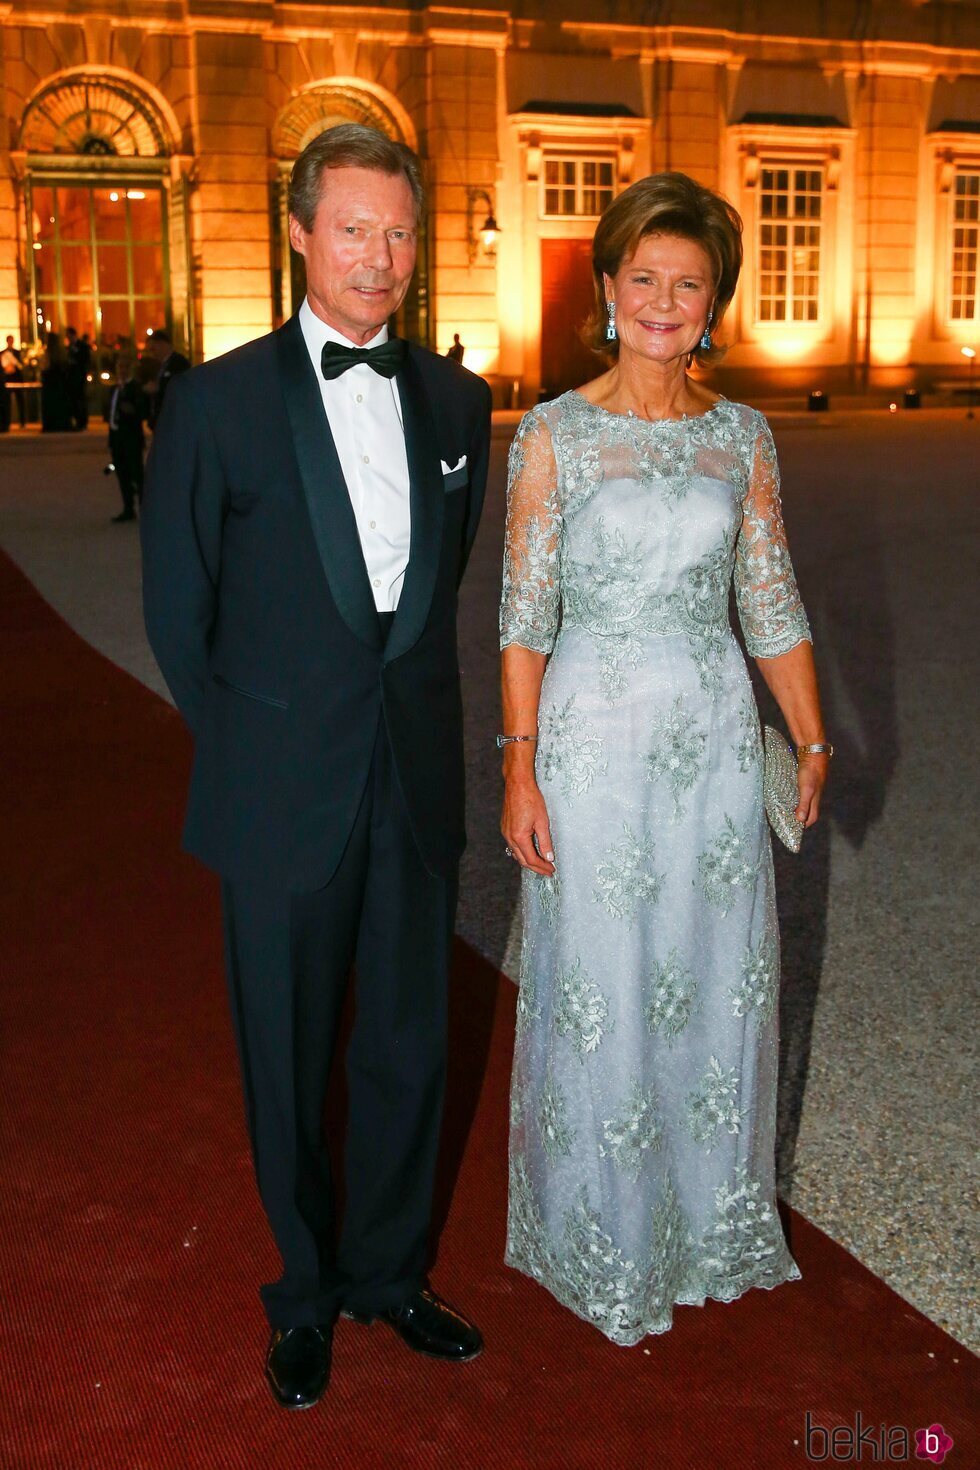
x: 663, y: 295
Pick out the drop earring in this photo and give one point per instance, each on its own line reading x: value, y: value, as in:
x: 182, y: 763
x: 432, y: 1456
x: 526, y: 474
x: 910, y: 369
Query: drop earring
x: 705, y: 342
x: 611, y: 323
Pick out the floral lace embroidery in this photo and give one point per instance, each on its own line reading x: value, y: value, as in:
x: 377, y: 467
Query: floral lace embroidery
x: 634, y: 1132
x: 581, y: 1010
x: 759, y: 986
x: 568, y: 749
x: 549, y: 895
x: 713, y: 1104
x: 725, y: 867
x: 624, y: 876
x: 677, y: 756
x: 557, y: 1136
x: 744, y: 1245
x: 528, y: 1010
x: 672, y: 993
x: 748, y: 748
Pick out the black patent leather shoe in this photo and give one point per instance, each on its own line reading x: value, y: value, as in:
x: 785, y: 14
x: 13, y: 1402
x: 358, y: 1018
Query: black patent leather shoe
x: 429, y: 1326
x: 298, y: 1365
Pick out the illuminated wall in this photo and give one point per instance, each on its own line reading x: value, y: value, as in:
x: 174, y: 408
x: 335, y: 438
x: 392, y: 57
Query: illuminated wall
x: 212, y: 108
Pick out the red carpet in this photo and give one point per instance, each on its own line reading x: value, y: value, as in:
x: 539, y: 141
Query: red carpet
x: 132, y: 1241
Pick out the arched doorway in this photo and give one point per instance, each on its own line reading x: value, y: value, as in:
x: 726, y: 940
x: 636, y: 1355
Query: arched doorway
x: 318, y: 107
x: 99, y: 204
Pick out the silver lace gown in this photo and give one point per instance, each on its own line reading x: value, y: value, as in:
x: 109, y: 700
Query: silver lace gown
x: 643, y: 1098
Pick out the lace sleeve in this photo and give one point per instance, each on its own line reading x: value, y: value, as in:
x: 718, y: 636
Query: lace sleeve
x: 530, y: 601
x: 769, y: 606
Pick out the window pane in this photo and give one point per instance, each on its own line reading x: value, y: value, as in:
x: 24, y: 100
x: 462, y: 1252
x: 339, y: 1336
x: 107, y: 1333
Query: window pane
x: 606, y: 175
x: 145, y: 220
x: 81, y: 315
x: 73, y: 214
x: 568, y: 201
x: 588, y: 172
x: 147, y: 270
x: 113, y: 270
x: 148, y: 314
x: 551, y: 201
x: 551, y: 171
x: 50, y: 320
x: 76, y: 270
x: 42, y: 224
x: 115, y: 321
x: 110, y: 214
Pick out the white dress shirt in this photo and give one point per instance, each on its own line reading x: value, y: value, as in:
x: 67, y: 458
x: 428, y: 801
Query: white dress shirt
x: 365, y: 417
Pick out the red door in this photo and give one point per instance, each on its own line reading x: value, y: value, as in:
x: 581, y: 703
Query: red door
x: 566, y: 301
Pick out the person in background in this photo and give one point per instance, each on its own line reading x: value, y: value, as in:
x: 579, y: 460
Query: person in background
x: 127, y: 410
x: 170, y: 364
x: 12, y: 371
x: 55, y: 403
x: 79, y: 362
x: 456, y: 351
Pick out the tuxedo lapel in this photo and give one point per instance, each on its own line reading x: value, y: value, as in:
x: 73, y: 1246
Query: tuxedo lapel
x: 327, y: 497
x: 427, y: 506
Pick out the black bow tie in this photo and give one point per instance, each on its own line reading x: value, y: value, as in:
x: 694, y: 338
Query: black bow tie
x: 385, y: 359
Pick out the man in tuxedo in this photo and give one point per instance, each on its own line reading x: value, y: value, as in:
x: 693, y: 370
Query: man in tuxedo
x: 170, y: 365
x: 311, y: 502
x: 127, y: 410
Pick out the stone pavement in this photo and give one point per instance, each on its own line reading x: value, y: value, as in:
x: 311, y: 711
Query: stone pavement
x: 879, y: 1005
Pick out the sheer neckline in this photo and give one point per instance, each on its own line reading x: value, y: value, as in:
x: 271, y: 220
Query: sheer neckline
x: 630, y: 417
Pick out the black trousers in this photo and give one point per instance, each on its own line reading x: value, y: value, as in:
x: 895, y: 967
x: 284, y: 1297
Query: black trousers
x: 127, y: 456
x: 289, y: 958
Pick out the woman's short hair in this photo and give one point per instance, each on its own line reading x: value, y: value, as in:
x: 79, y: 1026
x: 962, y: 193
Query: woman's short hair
x: 666, y: 204
x: 349, y: 145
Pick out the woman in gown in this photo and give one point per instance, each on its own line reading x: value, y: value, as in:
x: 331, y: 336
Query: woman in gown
x: 643, y: 1099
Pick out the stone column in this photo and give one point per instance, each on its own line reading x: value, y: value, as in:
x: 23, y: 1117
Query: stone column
x: 231, y: 203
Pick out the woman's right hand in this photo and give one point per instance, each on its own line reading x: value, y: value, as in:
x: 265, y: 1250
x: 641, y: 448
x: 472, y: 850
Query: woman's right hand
x: 525, y: 817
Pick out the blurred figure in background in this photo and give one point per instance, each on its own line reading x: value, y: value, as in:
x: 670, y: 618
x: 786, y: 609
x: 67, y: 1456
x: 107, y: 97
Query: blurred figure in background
x: 55, y: 403
x: 11, y: 371
x: 160, y: 347
x: 128, y: 408
x: 78, y: 365
x: 456, y: 351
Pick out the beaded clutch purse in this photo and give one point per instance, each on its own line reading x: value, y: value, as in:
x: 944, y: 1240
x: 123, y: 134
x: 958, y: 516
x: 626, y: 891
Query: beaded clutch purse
x: 780, y: 790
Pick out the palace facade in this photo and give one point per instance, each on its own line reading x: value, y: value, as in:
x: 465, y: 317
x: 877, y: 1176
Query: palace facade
x: 146, y: 146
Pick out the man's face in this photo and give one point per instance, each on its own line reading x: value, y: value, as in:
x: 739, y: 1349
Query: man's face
x: 10, y: 341
x: 360, y: 254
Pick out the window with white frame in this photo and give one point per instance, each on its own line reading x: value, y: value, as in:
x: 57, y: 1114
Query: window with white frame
x: 964, y: 303
x: 789, y: 243
x: 574, y: 185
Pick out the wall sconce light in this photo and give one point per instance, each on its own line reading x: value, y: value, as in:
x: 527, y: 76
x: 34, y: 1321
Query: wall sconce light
x: 970, y: 354
x: 484, y: 238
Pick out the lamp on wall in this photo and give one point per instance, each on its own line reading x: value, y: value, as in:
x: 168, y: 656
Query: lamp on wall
x: 970, y: 354
x: 485, y: 237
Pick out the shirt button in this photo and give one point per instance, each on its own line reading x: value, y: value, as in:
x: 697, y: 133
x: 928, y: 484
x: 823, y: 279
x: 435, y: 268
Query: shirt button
x: 367, y: 459
x: 359, y: 398
x: 373, y: 525
x: 377, y: 581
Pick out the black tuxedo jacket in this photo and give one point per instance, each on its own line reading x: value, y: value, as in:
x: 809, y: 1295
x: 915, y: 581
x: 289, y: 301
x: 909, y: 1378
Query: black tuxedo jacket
x: 131, y: 410
x: 260, y: 612
x: 170, y: 368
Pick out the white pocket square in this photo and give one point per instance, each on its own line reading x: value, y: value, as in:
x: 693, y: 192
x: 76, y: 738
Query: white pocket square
x: 451, y: 469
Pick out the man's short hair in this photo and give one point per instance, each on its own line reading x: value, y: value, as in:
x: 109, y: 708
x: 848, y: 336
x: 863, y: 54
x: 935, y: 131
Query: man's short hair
x: 350, y: 145
x: 160, y: 334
